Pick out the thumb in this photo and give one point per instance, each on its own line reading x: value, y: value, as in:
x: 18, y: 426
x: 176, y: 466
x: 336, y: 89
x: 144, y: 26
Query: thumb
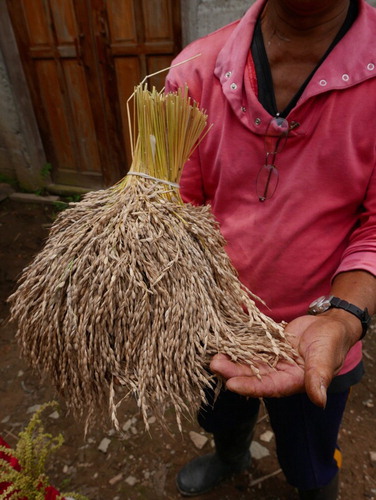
x: 320, y: 367
x: 316, y: 388
x: 322, y: 343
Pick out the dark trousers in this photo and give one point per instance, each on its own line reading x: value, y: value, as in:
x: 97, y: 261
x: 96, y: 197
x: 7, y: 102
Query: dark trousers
x: 306, y: 435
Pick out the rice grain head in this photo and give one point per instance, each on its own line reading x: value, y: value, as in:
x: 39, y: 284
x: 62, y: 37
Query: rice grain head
x: 133, y: 292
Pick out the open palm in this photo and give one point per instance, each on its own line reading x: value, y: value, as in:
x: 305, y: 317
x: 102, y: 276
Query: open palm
x: 322, y: 344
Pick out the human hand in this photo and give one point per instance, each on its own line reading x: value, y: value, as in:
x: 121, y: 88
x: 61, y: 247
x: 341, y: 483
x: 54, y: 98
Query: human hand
x: 322, y: 341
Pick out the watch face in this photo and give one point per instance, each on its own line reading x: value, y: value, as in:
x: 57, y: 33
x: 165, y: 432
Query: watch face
x: 320, y: 305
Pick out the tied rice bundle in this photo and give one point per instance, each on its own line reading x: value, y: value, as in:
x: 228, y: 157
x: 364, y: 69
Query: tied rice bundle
x: 133, y: 292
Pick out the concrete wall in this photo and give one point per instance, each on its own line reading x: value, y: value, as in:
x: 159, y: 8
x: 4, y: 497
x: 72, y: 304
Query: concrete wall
x: 22, y: 156
x: 15, y: 161
x: 10, y: 146
x: 201, y: 17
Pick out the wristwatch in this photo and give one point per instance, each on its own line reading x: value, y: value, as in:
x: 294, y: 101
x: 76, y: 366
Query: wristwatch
x: 326, y: 302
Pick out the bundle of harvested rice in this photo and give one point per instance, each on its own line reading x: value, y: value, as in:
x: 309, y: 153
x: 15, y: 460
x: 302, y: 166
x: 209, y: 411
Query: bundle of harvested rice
x: 133, y: 292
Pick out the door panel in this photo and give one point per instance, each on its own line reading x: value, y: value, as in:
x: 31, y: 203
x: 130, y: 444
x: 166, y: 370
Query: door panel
x: 82, y: 116
x: 158, y: 20
x: 122, y: 22
x: 154, y: 64
x: 82, y: 60
x: 64, y: 21
x: 36, y: 22
x: 54, y: 107
x: 128, y: 73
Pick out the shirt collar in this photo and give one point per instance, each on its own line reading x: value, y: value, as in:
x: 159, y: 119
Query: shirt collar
x: 352, y: 61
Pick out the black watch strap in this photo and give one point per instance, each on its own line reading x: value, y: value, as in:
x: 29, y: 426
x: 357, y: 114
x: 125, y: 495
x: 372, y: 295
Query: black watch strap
x: 326, y: 302
x: 361, y: 314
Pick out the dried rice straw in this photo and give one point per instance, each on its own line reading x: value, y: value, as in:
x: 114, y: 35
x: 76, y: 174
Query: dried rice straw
x: 134, y: 286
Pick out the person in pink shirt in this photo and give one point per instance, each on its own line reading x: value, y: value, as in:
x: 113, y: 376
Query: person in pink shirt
x: 289, y: 171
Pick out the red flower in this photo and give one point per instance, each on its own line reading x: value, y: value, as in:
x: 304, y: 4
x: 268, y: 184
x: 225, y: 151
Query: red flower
x: 51, y: 493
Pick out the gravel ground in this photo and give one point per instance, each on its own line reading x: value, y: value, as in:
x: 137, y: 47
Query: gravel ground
x: 133, y: 464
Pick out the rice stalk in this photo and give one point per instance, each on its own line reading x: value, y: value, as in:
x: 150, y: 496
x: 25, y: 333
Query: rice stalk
x: 133, y: 292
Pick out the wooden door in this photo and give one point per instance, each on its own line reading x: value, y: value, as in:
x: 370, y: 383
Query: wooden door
x: 82, y: 59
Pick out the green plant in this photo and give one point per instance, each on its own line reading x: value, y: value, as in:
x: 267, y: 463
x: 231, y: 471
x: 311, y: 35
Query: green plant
x: 64, y: 201
x: 59, y: 206
x: 73, y: 198
x: 40, y: 192
x: 46, y: 170
x: 32, y: 451
x: 65, y: 483
x: 8, y: 180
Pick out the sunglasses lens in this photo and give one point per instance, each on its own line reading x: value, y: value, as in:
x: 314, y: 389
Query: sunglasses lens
x: 267, y: 181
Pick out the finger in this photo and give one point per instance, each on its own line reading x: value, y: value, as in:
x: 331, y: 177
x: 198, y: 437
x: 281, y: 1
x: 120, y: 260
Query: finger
x: 316, y: 383
x: 275, y: 384
x: 316, y: 388
x: 320, y: 367
x: 223, y: 366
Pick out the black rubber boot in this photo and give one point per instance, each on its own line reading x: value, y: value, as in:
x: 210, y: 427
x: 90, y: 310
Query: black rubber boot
x: 231, y: 456
x: 328, y: 492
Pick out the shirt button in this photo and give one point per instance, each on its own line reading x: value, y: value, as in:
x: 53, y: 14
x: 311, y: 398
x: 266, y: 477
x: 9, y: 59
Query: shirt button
x: 244, y: 109
x: 228, y: 74
x: 323, y: 83
x: 257, y: 121
x: 345, y: 78
x: 370, y: 67
x: 234, y: 86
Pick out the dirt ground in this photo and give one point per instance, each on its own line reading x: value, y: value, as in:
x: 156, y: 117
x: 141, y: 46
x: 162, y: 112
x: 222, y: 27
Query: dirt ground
x: 136, y: 464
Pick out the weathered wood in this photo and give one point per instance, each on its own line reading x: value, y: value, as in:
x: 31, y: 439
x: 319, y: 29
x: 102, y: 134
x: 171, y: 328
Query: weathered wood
x: 121, y: 49
x: 93, y: 24
x: 82, y: 60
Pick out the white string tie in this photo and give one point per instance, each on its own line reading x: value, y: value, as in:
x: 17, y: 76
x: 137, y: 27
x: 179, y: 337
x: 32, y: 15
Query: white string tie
x: 155, y: 179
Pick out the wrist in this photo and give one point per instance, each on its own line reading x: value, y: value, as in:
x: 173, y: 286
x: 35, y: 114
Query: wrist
x: 355, y: 318
x: 353, y: 328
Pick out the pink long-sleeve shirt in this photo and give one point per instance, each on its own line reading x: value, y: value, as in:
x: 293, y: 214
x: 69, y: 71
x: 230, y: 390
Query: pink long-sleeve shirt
x: 322, y: 217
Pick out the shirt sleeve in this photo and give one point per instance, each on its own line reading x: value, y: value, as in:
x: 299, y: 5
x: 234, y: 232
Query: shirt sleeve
x: 360, y: 254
